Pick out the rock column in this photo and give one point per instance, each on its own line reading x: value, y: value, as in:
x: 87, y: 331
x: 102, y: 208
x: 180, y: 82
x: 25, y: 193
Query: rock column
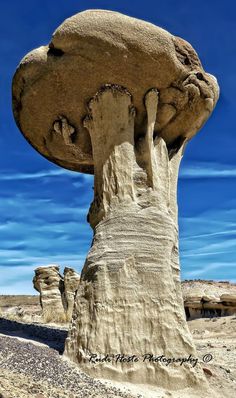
x: 49, y: 283
x: 71, y: 283
x: 129, y: 300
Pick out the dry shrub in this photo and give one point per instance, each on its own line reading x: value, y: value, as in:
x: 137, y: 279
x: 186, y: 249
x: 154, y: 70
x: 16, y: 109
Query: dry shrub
x: 53, y: 316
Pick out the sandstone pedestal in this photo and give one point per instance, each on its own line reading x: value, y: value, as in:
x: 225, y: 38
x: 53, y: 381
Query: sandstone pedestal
x: 129, y: 300
x: 150, y: 95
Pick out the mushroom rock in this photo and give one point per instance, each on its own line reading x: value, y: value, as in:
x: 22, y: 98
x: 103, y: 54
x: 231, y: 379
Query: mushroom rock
x: 71, y: 283
x: 54, y: 83
x: 120, y: 98
x: 49, y: 283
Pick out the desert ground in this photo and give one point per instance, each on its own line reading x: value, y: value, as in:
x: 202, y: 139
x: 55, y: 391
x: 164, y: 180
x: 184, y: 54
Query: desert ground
x: 31, y: 363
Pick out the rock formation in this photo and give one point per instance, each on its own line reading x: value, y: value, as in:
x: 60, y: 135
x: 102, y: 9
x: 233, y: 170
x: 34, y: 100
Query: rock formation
x: 71, y: 283
x: 208, y: 299
x: 149, y: 95
x: 49, y: 283
x: 56, y: 292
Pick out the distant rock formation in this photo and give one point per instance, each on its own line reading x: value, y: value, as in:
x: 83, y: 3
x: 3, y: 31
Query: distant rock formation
x: 71, y: 282
x: 56, y: 292
x: 204, y: 299
x: 49, y: 283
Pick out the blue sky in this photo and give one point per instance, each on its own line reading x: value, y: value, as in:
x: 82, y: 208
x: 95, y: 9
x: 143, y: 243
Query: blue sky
x: 43, y: 207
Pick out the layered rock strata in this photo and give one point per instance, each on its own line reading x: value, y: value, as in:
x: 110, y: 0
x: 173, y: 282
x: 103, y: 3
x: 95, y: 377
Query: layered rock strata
x: 49, y: 283
x: 150, y: 95
x: 71, y: 283
x: 129, y: 300
x: 56, y: 292
x: 204, y: 299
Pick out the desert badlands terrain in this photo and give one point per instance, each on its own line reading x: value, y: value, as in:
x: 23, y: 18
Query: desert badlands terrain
x: 32, y: 364
x: 129, y: 97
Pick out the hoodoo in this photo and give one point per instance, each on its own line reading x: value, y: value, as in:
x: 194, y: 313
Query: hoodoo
x: 120, y: 98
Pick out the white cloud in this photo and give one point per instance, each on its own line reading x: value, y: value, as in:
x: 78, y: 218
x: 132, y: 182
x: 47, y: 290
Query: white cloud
x: 199, y: 272
x: 220, y: 233
x: 207, y: 170
x: 187, y: 170
x: 8, y: 176
x: 44, y: 223
x: 11, y: 176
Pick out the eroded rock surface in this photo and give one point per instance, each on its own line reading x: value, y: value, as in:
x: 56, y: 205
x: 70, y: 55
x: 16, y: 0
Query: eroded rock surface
x: 49, y: 283
x: 129, y: 299
x: 71, y: 282
x: 149, y: 95
x: 56, y: 292
x: 54, y: 83
x: 208, y: 298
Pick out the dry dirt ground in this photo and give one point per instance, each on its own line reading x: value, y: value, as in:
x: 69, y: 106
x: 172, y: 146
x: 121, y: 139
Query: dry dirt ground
x: 31, y: 365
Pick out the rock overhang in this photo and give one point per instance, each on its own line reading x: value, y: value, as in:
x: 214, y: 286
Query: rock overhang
x: 53, y: 84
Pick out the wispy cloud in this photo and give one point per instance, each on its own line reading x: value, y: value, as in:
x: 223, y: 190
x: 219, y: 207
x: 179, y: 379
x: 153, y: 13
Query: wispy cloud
x: 212, y: 234
x: 207, y: 170
x: 50, y: 173
x: 204, y: 271
x: 42, y: 212
x: 43, y: 220
x: 191, y: 170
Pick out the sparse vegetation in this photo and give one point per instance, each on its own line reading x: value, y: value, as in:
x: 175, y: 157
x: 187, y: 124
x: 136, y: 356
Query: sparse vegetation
x: 27, y: 309
x: 50, y: 316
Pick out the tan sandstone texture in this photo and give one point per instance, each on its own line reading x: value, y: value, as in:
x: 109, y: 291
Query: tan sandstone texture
x: 208, y: 298
x: 148, y: 96
x: 56, y: 292
x: 71, y: 283
x: 49, y: 283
